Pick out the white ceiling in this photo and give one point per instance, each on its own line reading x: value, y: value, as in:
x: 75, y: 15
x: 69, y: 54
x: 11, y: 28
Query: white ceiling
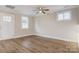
x: 28, y: 9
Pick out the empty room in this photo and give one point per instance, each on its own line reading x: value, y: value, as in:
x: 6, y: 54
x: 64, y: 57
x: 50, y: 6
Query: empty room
x: 39, y: 29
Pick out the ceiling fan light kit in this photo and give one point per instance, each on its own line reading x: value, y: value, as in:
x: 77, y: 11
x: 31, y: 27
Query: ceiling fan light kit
x: 41, y: 11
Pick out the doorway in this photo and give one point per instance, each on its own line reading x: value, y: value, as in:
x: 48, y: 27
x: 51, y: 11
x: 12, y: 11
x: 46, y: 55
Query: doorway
x: 7, y: 25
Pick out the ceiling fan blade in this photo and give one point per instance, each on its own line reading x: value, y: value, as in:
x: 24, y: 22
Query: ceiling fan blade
x: 10, y: 6
x: 43, y: 12
x: 46, y: 9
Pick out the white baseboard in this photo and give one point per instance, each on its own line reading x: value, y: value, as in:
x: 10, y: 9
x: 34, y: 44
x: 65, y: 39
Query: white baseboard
x: 56, y: 38
x: 13, y: 37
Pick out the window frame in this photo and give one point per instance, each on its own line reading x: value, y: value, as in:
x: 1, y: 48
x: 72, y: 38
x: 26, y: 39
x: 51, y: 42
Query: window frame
x: 63, y: 15
x: 26, y: 22
x: 7, y: 18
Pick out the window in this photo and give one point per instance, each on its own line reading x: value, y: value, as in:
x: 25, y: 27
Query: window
x: 60, y: 16
x: 24, y: 22
x: 67, y: 15
x: 64, y: 15
x: 7, y: 18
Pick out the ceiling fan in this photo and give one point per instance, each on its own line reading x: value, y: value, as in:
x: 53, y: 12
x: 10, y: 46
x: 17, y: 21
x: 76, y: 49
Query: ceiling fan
x: 41, y: 10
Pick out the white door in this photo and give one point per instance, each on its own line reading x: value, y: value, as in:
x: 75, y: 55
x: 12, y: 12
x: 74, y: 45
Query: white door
x: 7, y: 25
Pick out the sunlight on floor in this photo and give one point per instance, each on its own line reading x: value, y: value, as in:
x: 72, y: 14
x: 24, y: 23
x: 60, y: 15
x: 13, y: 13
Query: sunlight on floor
x: 26, y: 44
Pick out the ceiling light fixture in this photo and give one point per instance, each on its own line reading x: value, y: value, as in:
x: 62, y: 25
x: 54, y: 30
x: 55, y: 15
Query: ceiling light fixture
x: 40, y: 10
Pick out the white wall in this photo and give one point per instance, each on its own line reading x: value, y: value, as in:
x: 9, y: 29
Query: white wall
x: 48, y: 26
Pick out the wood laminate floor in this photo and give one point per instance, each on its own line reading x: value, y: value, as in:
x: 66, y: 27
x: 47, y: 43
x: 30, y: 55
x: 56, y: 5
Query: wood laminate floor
x: 37, y: 44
